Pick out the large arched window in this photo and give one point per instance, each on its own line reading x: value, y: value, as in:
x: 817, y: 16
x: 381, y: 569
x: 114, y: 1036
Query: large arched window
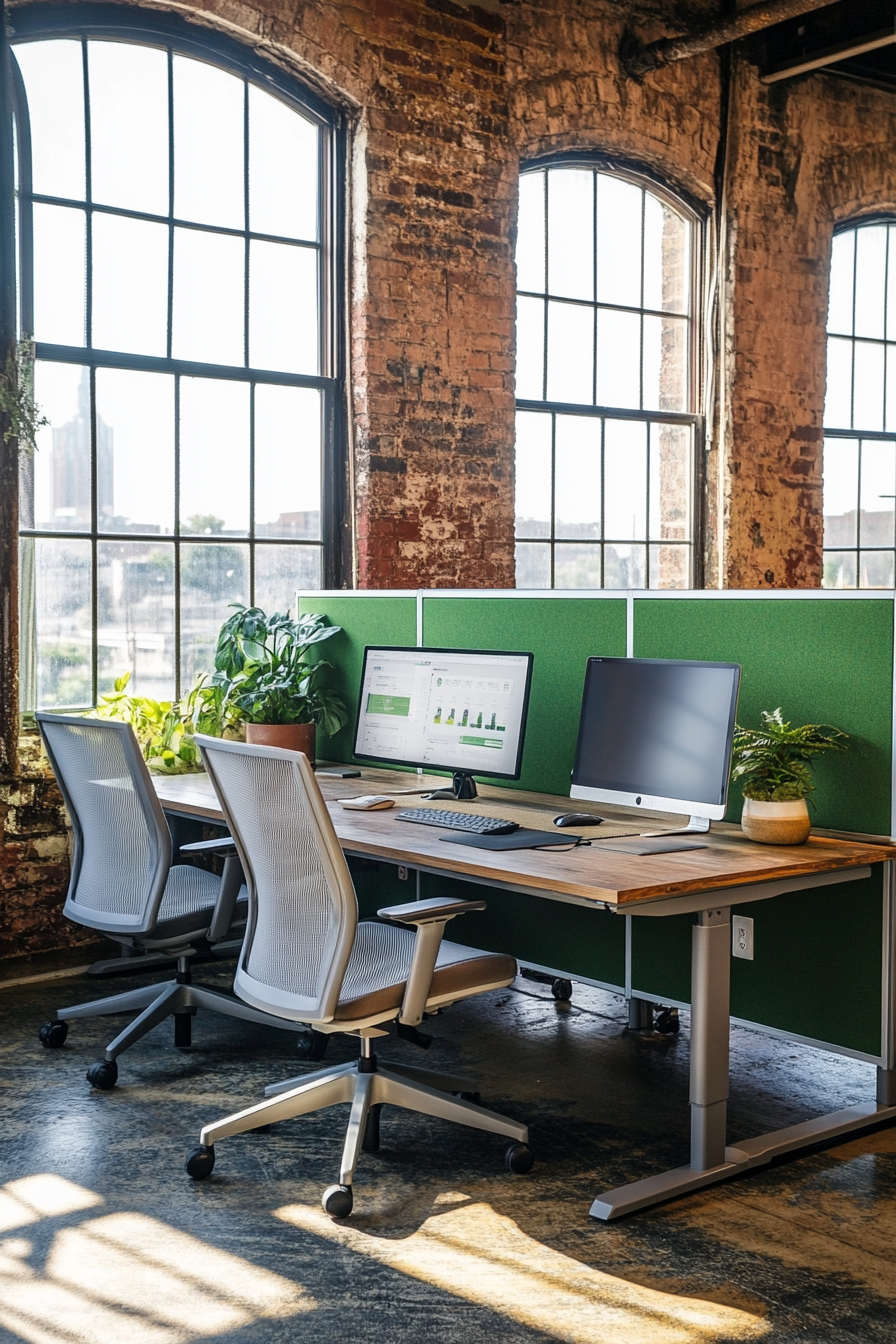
x: 860, y: 410
x: 177, y: 276
x: 607, y: 434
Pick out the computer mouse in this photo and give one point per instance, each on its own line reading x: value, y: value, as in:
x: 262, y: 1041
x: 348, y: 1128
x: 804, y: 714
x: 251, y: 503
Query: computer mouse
x: 577, y: 819
x: 370, y: 802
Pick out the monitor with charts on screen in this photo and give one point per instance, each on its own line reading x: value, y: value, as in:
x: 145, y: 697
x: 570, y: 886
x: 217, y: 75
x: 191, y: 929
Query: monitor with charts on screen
x: 657, y: 733
x: 445, y: 709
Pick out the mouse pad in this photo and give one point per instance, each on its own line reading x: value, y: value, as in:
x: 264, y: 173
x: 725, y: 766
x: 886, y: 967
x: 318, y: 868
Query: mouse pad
x: 649, y: 844
x: 521, y: 839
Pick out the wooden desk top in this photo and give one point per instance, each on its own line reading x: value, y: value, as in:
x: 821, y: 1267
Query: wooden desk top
x: 602, y: 876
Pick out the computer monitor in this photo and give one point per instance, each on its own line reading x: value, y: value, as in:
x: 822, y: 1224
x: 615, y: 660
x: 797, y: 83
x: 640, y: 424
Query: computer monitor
x: 461, y: 710
x: 657, y: 733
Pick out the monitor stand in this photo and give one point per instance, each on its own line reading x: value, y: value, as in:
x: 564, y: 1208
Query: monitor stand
x: 462, y: 786
x: 700, y: 825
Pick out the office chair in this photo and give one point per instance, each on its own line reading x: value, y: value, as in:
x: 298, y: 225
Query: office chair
x: 308, y: 959
x: 123, y: 883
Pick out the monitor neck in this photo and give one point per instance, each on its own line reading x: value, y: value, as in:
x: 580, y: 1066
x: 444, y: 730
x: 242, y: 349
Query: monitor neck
x: 463, y: 785
x: 700, y: 825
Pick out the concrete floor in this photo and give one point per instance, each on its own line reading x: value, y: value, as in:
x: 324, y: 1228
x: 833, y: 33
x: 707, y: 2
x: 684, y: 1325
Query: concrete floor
x: 104, y: 1240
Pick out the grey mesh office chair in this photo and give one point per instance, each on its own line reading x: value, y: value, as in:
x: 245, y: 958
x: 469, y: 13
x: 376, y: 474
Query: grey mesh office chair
x: 307, y: 958
x: 123, y: 883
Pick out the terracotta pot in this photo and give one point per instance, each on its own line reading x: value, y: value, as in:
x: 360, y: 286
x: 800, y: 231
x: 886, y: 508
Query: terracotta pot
x: 776, y: 823
x: 292, y: 736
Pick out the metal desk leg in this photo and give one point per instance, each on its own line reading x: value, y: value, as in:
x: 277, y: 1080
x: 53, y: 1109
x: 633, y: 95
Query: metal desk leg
x: 710, y: 995
x: 711, y: 1160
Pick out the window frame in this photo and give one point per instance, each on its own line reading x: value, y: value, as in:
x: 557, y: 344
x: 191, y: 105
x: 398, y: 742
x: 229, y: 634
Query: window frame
x: 167, y: 31
x: 697, y: 215
x: 858, y: 436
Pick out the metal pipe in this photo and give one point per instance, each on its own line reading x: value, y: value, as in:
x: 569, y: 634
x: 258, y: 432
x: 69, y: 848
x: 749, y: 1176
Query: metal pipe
x: 653, y: 55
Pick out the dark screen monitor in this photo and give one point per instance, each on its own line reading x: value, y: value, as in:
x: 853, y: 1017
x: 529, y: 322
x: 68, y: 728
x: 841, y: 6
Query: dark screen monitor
x: 461, y: 710
x: 657, y: 733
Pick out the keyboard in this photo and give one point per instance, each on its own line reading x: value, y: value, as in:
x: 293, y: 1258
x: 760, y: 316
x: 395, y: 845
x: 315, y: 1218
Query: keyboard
x: 458, y: 821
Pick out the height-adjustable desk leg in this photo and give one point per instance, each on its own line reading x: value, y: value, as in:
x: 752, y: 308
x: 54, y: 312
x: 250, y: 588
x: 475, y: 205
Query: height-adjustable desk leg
x: 711, y: 1161
x: 710, y: 995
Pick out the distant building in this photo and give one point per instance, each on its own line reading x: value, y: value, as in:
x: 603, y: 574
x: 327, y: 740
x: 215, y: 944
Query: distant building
x: 71, y: 484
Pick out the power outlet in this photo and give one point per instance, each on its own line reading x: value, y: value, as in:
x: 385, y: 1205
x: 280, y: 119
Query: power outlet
x: 742, y: 937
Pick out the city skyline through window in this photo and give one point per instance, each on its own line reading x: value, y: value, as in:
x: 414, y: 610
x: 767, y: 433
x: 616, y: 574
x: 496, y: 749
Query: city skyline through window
x: 177, y: 214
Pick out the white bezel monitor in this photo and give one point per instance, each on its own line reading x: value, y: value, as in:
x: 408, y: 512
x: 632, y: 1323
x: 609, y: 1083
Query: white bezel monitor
x: 657, y: 733
x: 462, y: 710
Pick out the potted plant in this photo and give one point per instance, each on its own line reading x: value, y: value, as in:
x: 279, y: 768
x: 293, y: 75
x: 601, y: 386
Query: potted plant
x: 264, y: 674
x: 772, y: 764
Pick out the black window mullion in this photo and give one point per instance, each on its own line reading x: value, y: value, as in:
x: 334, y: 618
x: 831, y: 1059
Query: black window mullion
x: 252, y: 391
x: 603, y: 523
x: 553, y: 519
x: 88, y: 178
x: 647, y: 518
x: 246, y: 223
x: 177, y: 556
x: 94, y: 547
x: 171, y: 151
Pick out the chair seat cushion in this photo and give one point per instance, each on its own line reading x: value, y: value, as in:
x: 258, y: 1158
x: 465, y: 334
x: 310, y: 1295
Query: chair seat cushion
x: 188, y: 902
x: 381, y: 960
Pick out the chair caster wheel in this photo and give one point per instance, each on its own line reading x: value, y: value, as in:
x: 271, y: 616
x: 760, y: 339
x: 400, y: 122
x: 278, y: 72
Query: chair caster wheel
x: 103, y: 1074
x: 667, y: 1022
x: 474, y: 1097
x: 312, y: 1044
x: 200, y: 1163
x: 562, y: 990
x: 519, y: 1159
x: 52, y: 1035
x: 337, y: 1201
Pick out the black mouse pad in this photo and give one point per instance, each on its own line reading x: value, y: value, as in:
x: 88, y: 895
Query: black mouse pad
x: 521, y: 839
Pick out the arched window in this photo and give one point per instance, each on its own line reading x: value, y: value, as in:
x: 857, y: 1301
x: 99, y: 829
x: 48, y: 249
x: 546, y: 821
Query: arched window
x: 177, y: 277
x: 607, y: 434
x: 860, y: 410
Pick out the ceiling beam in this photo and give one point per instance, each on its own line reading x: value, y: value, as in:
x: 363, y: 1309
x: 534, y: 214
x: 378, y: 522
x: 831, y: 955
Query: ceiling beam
x: 830, y: 55
x: 653, y: 55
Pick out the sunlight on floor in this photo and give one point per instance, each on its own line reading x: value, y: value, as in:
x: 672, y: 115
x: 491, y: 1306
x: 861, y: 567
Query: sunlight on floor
x: 124, y: 1276
x: 482, y: 1256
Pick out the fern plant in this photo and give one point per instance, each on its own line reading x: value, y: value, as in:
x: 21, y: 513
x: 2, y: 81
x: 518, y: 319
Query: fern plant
x: 772, y: 762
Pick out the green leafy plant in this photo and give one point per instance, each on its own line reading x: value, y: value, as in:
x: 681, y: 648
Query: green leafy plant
x: 17, y: 404
x: 165, y: 736
x: 263, y: 669
x: 772, y: 761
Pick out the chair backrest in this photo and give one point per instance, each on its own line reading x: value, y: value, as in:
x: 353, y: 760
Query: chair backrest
x: 122, y: 845
x: 303, y: 911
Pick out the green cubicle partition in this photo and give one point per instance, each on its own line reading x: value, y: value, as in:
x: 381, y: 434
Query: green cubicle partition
x: 561, y: 634
x: 817, y: 972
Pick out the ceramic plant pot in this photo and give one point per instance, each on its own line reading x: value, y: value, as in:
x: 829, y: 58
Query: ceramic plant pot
x: 292, y: 736
x: 776, y: 823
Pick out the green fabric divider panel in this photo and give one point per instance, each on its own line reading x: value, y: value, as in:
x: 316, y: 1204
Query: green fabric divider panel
x: 562, y: 633
x: 364, y: 620
x: 378, y: 884
x: 821, y: 660
x: 570, y: 938
x: 815, y: 970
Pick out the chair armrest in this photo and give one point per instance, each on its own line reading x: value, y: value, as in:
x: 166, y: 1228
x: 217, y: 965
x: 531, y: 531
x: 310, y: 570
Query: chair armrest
x: 428, y: 912
x: 223, y: 844
x: 430, y: 917
x: 228, y: 895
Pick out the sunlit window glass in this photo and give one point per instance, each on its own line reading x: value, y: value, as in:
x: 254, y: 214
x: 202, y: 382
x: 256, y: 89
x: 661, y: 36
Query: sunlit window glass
x: 606, y: 424
x: 174, y: 280
x: 860, y: 410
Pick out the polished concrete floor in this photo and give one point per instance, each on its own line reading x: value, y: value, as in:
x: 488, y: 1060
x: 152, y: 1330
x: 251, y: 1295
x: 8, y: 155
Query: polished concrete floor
x: 104, y: 1240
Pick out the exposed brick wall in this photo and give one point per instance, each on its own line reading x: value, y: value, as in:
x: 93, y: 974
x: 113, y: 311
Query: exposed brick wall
x: 34, y: 859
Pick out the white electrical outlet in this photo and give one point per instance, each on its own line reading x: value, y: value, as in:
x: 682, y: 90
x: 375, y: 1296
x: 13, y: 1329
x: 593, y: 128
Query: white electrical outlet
x: 742, y: 937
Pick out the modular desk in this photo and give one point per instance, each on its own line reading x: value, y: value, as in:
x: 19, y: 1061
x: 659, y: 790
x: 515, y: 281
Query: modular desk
x: 703, y: 882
